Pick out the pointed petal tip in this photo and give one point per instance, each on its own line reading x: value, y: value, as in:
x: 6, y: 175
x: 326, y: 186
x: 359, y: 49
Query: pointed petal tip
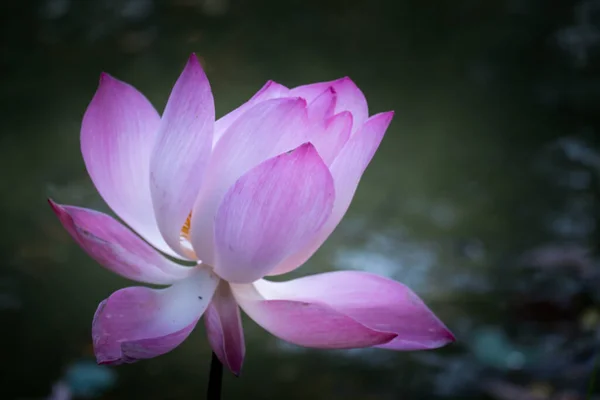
x: 105, y: 78
x: 193, y: 59
x: 386, y: 116
x: 193, y: 66
x: 234, y: 367
x: 347, y: 115
x: 449, y: 336
x: 379, y: 123
x: 390, y: 113
x: 101, y: 360
x: 446, y: 338
x: 304, y: 148
x: 56, y: 208
x: 299, y: 101
x: 345, y: 80
x: 235, y: 371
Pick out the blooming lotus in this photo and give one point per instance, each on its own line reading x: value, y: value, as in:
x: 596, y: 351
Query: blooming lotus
x: 252, y: 194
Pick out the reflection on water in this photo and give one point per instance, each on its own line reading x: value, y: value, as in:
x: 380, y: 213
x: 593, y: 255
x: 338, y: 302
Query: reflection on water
x: 483, y: 197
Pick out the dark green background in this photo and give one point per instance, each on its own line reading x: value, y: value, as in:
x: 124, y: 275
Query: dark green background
x: 483, y: 196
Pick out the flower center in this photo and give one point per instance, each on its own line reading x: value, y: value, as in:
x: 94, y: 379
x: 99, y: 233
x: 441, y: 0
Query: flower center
x: 185, y: 229
x: 184, y: 237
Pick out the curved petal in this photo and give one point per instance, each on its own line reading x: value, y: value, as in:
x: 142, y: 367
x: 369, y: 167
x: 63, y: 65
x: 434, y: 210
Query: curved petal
x: 378, y: 303
x: 182, y: 151
x: 350, y: 164
x: 271, y: 90
x: 137, y: 322
x: 306, y: 323
x: 118, y: 133
x: 117, y: 248
x: 269, y: 128
x: 349, y: 97
x: 224, y: 329
x: 330, y: 140
x: 323, y: 106
x: 347, y: 169
x: 271, y: 212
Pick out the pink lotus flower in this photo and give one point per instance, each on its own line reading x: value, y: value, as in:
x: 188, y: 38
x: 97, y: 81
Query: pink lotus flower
x: 254, y: 193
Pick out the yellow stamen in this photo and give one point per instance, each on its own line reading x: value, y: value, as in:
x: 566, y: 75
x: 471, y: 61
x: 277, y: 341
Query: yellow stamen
x: 185, y: 230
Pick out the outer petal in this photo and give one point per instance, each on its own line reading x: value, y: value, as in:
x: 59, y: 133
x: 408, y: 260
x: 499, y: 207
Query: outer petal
x: 271, y: 90
x: 117, y: 248
x: 181, y: 152
x: 306, y: 323
x: 224, y: 329
x: 378, y: 303
x: 271, y: 212
x: 350, y: 164
x: 269, y: 128
x: 137, y: 323
x: 330, y: 140
x: 347, y: 169
x: 349, y: 97
x: 118, y: 134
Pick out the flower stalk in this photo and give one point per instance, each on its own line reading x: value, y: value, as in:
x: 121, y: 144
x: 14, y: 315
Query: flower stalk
x: 215, y: 379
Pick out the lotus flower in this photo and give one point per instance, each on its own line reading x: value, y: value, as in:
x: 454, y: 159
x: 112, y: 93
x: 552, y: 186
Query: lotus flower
x: 250, y: 195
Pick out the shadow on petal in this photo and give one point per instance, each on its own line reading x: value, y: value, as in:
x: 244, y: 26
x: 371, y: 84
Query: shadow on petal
x: 138, y: 323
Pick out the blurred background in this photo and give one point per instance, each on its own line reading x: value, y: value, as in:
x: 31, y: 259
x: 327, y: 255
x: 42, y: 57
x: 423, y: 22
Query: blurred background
x: 483, y: 197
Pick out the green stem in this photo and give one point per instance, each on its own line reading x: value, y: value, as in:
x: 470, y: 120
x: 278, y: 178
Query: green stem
x: 215, y: 379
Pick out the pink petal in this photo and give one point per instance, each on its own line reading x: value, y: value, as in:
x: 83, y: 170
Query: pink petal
x: 347, y: 169
x: 271, y: 90
x: 137, y: 322
x: 224, y: 329
x: 349, y: 97
x: 350, y: 164
x: 269, y: 128
x: 378, y: 303
x: 117, y: 248
x: 306, y: 323
x: 118, y: 134
x: 330, y: 140
x: 323, y: 106
x: 182, y: 151
x: 270, y: 213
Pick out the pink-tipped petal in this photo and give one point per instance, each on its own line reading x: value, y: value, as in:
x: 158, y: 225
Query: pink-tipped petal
x: 138, y: 323
x: 117, y: 248
x: 378, y: 303
x: 269, y: 128
x: 182, y: 151
x: 306, y: 323
x: 271, y: 90
x: 350, y: 164
x: 224, y: 328
x: 349, y: 97
x: 270, y: 213
x: 323, y: 106
x: 347, y: 169
x: 118, y: 134
x: 330, y: 140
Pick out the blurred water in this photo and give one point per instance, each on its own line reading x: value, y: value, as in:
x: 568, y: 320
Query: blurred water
x: 483, y: 197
